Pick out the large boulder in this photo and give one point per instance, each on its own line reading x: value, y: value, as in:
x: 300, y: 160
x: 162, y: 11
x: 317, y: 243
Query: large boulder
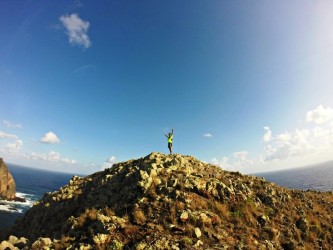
x: 7, y: 183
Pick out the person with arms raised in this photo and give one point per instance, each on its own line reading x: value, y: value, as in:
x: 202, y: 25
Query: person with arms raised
x: 170, y: 139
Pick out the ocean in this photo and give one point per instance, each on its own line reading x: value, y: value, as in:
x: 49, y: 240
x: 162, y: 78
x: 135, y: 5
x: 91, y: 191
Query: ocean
x: 32, y: 184
x: 317, y: 177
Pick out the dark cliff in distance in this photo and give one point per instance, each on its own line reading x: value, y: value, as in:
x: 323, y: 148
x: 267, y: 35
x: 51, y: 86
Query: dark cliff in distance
x: 175, y: 202
x: 7, y: 183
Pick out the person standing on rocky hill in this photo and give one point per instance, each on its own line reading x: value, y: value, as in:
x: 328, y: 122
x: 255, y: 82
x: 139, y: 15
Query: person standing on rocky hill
x: 170, y: 138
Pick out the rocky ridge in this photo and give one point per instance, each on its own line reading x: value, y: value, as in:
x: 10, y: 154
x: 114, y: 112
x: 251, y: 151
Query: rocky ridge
x: 174, y: 202
x: 7, y: 183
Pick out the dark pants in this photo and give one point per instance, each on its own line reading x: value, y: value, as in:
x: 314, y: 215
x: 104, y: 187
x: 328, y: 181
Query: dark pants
x: 170, y: 147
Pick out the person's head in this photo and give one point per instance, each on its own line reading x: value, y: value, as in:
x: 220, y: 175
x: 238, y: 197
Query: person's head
x: 169, y: 134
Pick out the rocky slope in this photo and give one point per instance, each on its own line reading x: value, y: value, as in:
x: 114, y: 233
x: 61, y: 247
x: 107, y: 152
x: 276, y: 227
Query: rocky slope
x: 174, y: 202
x: 7, y: 183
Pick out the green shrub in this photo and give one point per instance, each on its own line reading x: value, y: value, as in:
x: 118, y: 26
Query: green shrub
x: 115, y: 245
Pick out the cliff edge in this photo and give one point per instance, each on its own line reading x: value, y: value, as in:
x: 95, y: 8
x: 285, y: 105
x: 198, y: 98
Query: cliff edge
x: 174, y: 202
x: 7, y: 183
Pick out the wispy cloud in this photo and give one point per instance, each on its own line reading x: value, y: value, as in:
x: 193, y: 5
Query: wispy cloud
x: 50, y: 138
x: 7, y: 136
x: 9, y: 124
x: 77, y: 30
x: 52, y: 156
x: 15, y: 146
x: 208, y: 135
x: 85, y: 68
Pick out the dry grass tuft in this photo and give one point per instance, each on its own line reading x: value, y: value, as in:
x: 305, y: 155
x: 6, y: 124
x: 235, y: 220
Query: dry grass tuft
x: 131, y: 230
x: 198, y: 202
x: 139, y: 216
x: 88, y: 215
x: 189, y: 230
x: 151, y: 192
x: 180, y: 205
x: 220, y: 209
x: 64, y: 241
x: 108, y: 212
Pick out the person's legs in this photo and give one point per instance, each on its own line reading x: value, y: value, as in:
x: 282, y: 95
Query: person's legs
x: 170, y: 147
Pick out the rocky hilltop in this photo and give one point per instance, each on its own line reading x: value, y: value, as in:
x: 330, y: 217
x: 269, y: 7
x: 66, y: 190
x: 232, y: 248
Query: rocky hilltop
x: 7, y: 183
x: 174, y: 202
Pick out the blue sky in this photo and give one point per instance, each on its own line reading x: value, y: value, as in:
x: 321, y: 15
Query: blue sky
x: 246, y: 85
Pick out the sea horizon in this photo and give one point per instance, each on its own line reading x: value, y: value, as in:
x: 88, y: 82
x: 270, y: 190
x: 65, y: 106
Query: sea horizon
x: 43, y: 169
x: 317, y: 177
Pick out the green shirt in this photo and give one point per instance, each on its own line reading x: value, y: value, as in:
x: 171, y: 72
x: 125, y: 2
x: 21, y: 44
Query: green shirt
x: 170, y: 138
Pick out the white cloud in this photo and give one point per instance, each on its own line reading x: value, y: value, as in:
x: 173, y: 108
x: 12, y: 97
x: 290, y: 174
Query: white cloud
x: 76, y: 30
x: 298, y: 147
x: 319, y: 132
x: 50, y: 138
x: 319, y: 115
x: 208, y: 135
x: 224, y: 163
x: 268, y: 134
x: 299, y: 143
x: 109, y: 162
x: 241, y: 155
x: 15, y: 146
x: 12, y: 151
x: 301, y: 147
x: 68, y: 161
x: 7, y: 136
x: 9, y: 124
x: 52, y: 156
x: 238, y: 162
x: 241, y: 159
x: 283, y: 138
